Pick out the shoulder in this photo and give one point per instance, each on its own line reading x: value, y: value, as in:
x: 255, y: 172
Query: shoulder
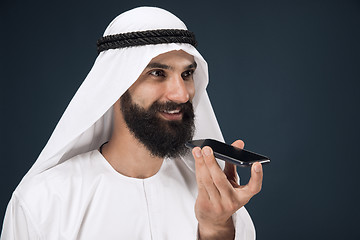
x: 44, y: 201
x: 60, y: 182
x: 71, y: 168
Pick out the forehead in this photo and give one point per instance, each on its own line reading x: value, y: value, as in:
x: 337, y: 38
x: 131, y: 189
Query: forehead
x: 175, y: 57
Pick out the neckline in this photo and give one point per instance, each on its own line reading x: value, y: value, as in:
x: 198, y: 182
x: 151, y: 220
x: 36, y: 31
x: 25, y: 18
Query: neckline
x: 127, y: 178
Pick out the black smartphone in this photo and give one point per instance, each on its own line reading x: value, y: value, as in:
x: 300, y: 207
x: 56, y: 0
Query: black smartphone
x: 234, y: 155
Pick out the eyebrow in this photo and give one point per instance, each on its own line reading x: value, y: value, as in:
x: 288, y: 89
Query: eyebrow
x: 164, y: 66
x: 193, y: 65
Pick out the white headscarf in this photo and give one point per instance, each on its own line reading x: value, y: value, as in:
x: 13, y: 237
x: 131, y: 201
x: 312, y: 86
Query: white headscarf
x: 87, y: 121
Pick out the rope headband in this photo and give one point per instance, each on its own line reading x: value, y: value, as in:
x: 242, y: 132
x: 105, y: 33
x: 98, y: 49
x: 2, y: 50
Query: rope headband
x: 140, y: 38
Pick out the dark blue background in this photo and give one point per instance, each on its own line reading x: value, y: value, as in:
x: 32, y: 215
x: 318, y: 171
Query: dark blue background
x: 284, y: 77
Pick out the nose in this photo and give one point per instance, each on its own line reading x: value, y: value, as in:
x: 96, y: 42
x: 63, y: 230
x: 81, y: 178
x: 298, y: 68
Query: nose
x: 178, y: 90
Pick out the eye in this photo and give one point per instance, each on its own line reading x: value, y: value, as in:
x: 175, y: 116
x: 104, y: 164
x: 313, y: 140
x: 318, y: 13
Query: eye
x: 187, y: 74
x: 157, y: 73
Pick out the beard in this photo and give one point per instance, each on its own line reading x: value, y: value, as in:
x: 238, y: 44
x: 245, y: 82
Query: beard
x: 163, y: 138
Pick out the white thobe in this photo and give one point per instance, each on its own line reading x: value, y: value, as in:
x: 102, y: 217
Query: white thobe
x: 85, y: 198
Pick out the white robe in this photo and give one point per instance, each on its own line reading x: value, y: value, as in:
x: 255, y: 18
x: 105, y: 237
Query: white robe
x: 85, y: 198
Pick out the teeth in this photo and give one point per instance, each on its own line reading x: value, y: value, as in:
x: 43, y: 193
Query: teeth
x: 172, y: 112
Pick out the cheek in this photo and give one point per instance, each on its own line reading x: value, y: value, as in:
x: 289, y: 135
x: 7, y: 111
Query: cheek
x: 145, y: 95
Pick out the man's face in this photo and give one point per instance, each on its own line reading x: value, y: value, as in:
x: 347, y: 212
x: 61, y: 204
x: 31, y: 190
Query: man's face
x: 157, y: 108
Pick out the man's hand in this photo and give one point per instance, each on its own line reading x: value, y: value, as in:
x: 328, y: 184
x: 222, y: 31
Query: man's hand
x: 220, y: 195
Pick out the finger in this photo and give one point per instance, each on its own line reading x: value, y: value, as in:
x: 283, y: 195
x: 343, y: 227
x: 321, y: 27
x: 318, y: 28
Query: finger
x: 218, y: 176
x: 255, y: 182
x: 239, y: 144
x: 199, y: 165
x: 203, y: 177
x: 231, y: 175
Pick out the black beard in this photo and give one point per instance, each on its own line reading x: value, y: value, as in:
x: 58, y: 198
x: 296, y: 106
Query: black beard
x: 161, y: 137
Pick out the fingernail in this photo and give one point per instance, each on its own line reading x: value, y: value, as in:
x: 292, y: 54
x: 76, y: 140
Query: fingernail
x: 257, y: 168
x: 197, y: 152
x: 207, y: 151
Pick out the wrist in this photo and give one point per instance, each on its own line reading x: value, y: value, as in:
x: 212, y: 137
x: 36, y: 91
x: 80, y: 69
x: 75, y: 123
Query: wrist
x: 218, y: 231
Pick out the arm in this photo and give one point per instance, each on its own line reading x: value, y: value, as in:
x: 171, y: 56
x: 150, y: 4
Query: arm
x: 17, y: 223
x: 219, y: 195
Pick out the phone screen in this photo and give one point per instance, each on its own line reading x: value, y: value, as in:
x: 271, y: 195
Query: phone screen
x: 234, y: 155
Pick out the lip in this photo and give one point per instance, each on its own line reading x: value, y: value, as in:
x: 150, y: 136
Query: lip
x: 172, y: 116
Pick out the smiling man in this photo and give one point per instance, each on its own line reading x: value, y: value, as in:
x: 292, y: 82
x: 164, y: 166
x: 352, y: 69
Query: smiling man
x: 116, y: 166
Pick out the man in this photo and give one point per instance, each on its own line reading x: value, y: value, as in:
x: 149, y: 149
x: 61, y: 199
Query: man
x: 116, y: 166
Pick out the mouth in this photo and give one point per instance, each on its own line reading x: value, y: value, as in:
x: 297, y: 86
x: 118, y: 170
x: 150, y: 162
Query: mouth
x: 172, y: 115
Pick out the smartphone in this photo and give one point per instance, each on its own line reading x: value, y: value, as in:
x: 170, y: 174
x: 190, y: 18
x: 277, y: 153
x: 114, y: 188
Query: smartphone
x: 234, y: 155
